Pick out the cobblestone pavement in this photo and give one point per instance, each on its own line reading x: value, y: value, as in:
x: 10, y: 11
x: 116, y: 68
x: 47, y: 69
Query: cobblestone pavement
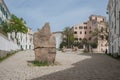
x: 73, y: 66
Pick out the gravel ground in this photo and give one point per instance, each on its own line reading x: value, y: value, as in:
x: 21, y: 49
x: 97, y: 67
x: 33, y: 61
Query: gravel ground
x: 16, y: 67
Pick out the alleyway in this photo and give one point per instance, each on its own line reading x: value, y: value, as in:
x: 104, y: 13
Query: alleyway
x: 72, y: 66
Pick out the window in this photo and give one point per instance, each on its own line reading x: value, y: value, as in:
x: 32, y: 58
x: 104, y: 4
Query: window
x: 80, y: 39
x: 90, y: 27
x: 75, y: 32
x: 80, y: 32
x: 85, y: 27
x: 80, y: 27
x: 85, y: 32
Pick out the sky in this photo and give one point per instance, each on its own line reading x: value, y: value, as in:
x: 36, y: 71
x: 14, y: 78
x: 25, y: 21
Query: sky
x: 59, y: 13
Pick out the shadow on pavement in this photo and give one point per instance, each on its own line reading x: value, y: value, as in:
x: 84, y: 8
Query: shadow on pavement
x: 99, y: 67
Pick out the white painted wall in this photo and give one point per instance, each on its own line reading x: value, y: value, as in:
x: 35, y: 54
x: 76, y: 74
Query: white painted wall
x: 114, y: 33
x: 25, y: 40
x: 7, y: 44
x: 59, y: 38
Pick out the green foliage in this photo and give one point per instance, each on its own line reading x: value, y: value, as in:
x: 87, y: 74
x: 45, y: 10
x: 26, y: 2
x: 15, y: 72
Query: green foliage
x: 15, y: 25
x: 84, y: 41
x: 69, y: 37
x: 1, y: 31
x: 78, y: 44
x: 5, y: 27
x: 63, y: 44
x: 93, y: 44
x: 37, y: 63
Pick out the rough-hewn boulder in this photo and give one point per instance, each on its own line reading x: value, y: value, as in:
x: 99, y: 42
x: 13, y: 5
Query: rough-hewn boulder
x: 44, y: 45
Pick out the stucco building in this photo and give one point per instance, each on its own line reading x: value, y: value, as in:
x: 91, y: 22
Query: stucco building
x: 85, y: 29
x: 103, y: 36
x: 99, y: 23
x: 81, y: 31
x: 24, y: 41
x: 113, y: 10
x: 6, y: 45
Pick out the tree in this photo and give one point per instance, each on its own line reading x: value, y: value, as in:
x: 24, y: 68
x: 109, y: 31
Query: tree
x: 78, y: 44
x: 5, y: 27
x: 85, y: 43
x: 63, y: 44
x: 69, y: 37
x: 93, y: 44
x: 15, y: 25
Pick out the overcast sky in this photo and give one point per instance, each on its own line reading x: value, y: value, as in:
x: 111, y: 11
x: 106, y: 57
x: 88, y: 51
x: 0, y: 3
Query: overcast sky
x: 59, y: 13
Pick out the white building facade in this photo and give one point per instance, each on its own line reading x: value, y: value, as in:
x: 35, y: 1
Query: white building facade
x: 113, y: 9
x: 6, y: 44
x: 59, y: 38
x: 25, y: 41
x: 4, y: 12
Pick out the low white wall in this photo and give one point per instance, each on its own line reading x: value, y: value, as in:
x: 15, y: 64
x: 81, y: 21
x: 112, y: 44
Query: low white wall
x: 6, y: 44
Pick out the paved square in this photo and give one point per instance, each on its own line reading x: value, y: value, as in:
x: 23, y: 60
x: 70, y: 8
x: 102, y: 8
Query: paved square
x: 73, y: 66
